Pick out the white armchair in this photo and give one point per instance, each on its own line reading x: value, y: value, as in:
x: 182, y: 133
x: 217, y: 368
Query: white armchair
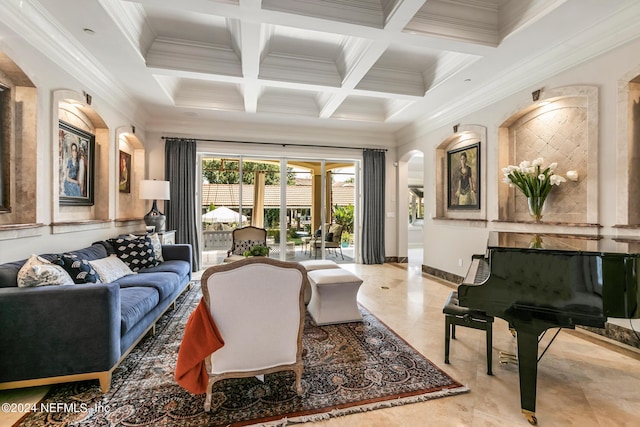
x: 258, y: 307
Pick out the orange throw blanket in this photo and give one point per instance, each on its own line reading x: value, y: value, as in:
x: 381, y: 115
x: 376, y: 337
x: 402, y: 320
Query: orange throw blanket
x: 201, y: 338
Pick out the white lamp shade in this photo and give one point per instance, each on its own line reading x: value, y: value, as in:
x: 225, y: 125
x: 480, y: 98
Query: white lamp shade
x: 154, y: 190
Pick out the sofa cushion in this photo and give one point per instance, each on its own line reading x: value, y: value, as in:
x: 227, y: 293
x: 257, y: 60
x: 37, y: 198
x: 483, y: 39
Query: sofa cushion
x: 164, y: 283
x: 78, y: 268
x: 38, y: 271
x: 9, y: 273
x: 136, y: 252
x: 95, y: 251
x: 111, y: 268
x: 135, y: 303
x: 179, y: 267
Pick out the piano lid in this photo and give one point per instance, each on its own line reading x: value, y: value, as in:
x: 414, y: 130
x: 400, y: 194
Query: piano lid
x: 563, y: 242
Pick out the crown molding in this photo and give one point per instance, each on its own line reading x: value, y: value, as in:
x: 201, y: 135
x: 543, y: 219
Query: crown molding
x: 204, y: 58
x: 130, y: 18
x: 359, y: 12
x: 617, y: 30
x: 38, y: 28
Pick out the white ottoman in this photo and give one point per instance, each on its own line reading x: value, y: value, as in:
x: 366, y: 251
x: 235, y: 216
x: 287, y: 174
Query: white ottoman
x: 312, y: 265
x: 318, y: 264
x: 333, y: 296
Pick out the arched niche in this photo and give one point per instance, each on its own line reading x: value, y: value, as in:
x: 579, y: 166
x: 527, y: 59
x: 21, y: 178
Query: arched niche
x: 74, y: 108
x: 464, y: 136
x: 18, y: 146
x: 628, y: 154
x: 129, y: 171
x: 562, y: 127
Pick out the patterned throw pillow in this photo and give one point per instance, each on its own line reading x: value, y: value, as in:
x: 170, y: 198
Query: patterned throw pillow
x: 79, y: 269
x: 38, y: 271
x: 111, y: 268
x: 136, y: 252
x: 244, y: 245
x: 157, y: 246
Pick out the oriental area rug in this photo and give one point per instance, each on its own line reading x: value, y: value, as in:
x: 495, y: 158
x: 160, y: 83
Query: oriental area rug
x: 348, y: 368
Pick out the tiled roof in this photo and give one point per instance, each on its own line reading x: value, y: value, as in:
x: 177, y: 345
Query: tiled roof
x: 297, y: 196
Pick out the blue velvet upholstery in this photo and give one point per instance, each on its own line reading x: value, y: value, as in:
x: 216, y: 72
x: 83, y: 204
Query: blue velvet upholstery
x: 164, y: 283
x: 174, y: 266
x: 53, y: 331
x: 58, y: 330
x: 135, y: 302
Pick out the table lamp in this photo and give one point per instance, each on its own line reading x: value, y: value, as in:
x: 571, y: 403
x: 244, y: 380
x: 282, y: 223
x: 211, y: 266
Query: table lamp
x: 154, y: 190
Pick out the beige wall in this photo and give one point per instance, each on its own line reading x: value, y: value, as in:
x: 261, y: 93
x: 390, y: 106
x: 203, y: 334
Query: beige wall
x: 448, y: 242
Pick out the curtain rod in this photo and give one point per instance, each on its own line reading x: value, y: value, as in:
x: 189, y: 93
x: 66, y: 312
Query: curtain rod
x: 276, y: 143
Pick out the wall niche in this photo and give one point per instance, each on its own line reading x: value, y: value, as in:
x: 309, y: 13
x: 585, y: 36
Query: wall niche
x: 72, y: 108
x: 464, y: 136
x: 562, y: 127
x: 130, y: 171
x: 628, y: 179
x: 18, y: 147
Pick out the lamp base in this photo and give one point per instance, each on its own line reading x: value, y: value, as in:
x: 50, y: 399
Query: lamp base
x: 157, y: 221
x: 155, y: 218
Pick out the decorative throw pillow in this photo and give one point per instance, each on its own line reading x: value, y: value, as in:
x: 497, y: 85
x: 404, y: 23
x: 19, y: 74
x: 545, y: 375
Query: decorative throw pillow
x: 241, y: 246
x: 38, y: 271
x: 110, y: 268
x: 79, y: 269
x: 137, y: 252
x: 157, y: 246
x: 328, y: 237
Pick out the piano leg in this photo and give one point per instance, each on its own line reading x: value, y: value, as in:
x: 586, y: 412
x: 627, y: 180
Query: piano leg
x: 528, y: 370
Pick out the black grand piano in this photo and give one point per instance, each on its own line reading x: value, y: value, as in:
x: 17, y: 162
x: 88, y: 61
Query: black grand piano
x: 541, y: 281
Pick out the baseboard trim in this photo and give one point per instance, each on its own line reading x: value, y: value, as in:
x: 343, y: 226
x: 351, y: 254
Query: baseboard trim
x: 441, y: 274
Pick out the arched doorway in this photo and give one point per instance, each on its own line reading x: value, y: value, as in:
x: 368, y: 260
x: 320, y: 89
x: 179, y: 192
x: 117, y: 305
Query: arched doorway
x: 415, y: 227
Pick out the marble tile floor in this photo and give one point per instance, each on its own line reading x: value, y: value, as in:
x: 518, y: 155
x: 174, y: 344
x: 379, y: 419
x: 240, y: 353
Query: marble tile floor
x: 582, y: 380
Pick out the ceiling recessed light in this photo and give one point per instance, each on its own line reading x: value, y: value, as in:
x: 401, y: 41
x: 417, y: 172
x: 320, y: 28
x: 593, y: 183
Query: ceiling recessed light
x: 88, y: 31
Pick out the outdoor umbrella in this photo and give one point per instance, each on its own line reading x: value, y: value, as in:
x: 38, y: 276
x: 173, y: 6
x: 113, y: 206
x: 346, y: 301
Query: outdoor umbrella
x: 223, y: 214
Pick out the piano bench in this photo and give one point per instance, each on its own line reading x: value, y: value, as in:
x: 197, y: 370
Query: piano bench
x: 463, y: 316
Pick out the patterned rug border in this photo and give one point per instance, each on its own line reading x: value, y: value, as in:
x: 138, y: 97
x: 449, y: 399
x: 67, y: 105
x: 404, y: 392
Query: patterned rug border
x: 308, y: 415
x: 356, y: 408
x: 366, y: 405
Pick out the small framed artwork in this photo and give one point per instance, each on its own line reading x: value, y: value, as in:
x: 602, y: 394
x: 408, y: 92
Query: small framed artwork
x: 463, y: 166
x: 76, y: 165
x: 125, y: 168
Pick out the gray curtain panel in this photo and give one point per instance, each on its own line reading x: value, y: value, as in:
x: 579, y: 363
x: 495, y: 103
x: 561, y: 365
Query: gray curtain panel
x: 373, y: 173
x: 182, y: 211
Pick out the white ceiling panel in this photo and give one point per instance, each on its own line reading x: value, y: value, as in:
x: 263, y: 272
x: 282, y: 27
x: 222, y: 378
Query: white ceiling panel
x: 367, y: 65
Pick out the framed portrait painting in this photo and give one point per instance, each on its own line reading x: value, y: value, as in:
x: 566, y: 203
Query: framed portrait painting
x: 125, y: 168
x: 463, y: 181
x: 76, y: 165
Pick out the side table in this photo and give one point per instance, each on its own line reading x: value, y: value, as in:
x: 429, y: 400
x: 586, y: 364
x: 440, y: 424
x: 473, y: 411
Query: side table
x: 167, y: 237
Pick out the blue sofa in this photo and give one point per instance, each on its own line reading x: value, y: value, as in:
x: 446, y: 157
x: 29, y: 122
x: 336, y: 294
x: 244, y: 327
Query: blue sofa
x: 64, y: 333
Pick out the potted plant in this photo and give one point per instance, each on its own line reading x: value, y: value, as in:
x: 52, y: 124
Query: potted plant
x: 257, y: 250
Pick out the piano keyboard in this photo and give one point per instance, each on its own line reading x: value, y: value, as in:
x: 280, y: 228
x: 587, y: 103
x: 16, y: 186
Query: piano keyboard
x: 478, y: 272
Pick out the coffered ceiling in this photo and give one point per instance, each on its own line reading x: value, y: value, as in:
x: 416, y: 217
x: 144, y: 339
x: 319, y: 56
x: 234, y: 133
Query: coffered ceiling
x: 349, y: 64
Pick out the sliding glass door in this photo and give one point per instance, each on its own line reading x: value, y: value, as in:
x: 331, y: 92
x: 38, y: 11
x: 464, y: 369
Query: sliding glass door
x: 290, y: 198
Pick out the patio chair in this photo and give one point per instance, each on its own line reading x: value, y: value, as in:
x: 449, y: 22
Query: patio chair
x: 245, y: 238
x: 332, y: 240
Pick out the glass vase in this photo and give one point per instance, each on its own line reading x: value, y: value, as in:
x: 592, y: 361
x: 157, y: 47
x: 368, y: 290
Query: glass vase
x: 536, y: 208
